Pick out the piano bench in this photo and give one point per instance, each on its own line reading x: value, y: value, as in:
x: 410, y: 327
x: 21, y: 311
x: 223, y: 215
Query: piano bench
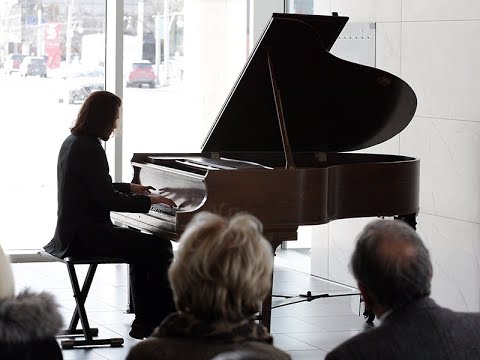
x: 80, y: 296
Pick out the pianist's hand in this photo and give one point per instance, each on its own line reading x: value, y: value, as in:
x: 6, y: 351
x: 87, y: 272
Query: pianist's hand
x: 156, y: 199
x: 140, y: 189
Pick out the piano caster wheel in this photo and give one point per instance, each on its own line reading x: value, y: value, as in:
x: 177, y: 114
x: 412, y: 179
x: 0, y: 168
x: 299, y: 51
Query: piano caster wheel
x: 369, y: 316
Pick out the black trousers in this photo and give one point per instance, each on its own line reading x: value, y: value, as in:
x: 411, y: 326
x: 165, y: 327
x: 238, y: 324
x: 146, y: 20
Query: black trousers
x: 149, y: 258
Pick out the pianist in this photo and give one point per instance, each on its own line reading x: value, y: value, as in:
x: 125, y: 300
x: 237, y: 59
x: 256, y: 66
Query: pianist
x: 221, y: 274
x: 86, y: 195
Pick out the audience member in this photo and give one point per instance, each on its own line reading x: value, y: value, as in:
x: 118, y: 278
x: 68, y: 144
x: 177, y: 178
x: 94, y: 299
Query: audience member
x: 220, y: 276
x: 393, y: 270
x: 28, y: 321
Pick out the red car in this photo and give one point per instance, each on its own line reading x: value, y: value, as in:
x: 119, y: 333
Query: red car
x: 141, y: 74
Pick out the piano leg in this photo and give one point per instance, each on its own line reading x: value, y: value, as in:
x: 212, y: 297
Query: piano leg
x: 266, y: 311
x: 369, y: 317
x: 130, y: 307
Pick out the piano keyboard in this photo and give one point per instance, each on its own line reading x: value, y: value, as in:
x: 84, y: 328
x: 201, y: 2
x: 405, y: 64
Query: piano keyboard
x: 158, y: 209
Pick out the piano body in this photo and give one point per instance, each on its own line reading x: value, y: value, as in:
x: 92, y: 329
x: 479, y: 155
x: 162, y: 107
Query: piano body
x: 279, y: 148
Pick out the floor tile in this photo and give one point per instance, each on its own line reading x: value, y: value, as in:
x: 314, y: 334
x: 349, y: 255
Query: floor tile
x: 288, y: 343
x: 325, y: 340
x: 291, y: 324
x: 337, y: 323
x: 308, y: 354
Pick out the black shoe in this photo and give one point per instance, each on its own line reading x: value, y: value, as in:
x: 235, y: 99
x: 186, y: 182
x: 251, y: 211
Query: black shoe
x: 140, y: 330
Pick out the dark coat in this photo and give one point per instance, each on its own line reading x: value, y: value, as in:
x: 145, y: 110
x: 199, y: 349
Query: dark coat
x: 422, y: 330
x: 86, y: 195
x: 182, y: 337
x: 187, y: 348
x: 28, y: 325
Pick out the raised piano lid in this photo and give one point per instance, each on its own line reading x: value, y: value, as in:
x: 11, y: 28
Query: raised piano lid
x: 329, y: 104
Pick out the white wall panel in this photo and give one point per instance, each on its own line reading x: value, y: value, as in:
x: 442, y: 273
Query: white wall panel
x: 368, y: 10
x: 449, y: 166
x: 434, y: 10
x: 455, y: 251
x: 388, y: 47
x: 440, y: 60
x: 320, y: 251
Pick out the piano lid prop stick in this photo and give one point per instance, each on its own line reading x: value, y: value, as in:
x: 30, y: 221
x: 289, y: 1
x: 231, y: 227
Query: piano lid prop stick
x: 289, y: 164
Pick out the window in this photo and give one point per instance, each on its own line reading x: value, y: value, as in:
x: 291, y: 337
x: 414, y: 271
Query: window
x: 181, y: 60
x: 47, y: 68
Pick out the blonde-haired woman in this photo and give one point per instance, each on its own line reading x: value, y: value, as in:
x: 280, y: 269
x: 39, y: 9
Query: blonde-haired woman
x: 220, y: 276
x: 28, y: 321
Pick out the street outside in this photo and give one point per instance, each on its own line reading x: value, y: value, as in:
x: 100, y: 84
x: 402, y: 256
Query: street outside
x: 34, y: 124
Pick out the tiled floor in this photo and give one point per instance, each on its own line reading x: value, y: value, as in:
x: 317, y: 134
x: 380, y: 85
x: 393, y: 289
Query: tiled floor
x: 306, y: 330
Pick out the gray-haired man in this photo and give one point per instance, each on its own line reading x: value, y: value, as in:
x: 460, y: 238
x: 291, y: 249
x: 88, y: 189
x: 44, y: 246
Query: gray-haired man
x: 393, y: 270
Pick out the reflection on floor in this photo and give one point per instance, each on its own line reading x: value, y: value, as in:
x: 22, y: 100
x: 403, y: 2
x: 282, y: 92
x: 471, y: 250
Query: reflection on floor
x: 306, y: 330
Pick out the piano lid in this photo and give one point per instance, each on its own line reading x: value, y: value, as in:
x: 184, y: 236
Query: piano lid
x: 329, y: 104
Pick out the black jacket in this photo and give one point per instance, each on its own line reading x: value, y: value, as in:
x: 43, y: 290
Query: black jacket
x: 86, y: 194
x: 421, y: 330
x: 28, y: 325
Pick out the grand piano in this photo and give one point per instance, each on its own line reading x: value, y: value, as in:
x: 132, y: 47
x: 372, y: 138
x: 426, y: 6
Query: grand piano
x: 281, y: 146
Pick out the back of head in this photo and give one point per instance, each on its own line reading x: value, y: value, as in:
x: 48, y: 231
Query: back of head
x: 392, y: 264
x: 97, y: 115
x: 223, y: 267
x: 7, y: 287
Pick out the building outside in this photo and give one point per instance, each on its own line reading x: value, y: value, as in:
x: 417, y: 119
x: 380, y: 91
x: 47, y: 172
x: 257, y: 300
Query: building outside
x: 55, y: 28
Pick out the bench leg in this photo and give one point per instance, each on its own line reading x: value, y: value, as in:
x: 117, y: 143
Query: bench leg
x: 80, y: 296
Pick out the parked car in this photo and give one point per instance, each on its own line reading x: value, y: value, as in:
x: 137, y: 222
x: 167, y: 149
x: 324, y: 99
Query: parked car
x: 80, y: 83
x: 12, y: 63
x: 141, y: 73
x: 33, y: 65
